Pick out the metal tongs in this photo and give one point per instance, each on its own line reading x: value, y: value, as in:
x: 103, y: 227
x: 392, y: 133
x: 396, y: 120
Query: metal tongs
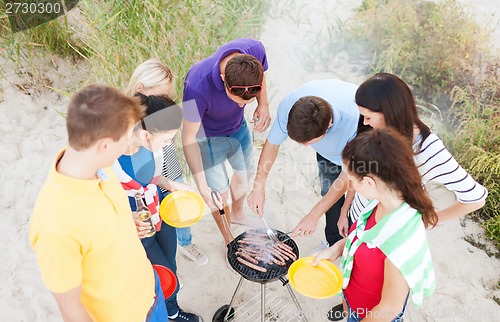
x: 269, y: 231
x: 215, y: 198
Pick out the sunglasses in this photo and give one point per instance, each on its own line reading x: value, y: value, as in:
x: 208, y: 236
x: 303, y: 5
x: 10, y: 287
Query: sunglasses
x: 252, y: 90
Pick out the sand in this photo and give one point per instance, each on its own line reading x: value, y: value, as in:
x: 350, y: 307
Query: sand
x: 33, y: 132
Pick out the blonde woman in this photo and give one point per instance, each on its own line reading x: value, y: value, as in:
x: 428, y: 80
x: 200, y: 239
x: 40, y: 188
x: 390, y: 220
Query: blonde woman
x: 154, y: 78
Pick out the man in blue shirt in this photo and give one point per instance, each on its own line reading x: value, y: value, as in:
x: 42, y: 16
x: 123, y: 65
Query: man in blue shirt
x: 324, y: 115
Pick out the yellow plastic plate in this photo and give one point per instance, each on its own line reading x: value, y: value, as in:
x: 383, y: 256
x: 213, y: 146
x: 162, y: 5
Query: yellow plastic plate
x: 318, y: 282
x: 182, y: 208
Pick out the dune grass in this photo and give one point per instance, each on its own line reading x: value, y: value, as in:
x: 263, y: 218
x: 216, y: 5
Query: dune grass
x: 110, y: 38
x: 113, y: 37
x: 446, y: 57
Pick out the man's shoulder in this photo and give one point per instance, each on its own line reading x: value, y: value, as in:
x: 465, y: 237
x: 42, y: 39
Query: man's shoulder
x: 332, y: 85
x: 242, y: 43
x: 50, y: 214
x: 198, y: 75
x: 54, y: 203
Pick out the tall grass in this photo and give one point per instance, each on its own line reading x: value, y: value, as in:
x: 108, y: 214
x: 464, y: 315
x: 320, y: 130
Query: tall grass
x: 445, y: 56
x: 475, y: 141
x: 114, y: 36
x: 432, y: 45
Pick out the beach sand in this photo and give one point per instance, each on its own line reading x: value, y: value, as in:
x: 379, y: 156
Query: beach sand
x: 33, y: 132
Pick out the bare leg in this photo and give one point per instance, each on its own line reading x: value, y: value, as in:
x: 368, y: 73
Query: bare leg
x: 225, y: 231
x: 238, y: 189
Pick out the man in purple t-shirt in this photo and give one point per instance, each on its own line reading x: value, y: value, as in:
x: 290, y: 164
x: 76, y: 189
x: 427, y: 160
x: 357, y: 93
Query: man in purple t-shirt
x: 214, y: 130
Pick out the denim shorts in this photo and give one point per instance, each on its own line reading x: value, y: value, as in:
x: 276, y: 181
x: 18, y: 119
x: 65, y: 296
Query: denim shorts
x: 236, y: 148
x: 352, y: 315
x: 184, y: 236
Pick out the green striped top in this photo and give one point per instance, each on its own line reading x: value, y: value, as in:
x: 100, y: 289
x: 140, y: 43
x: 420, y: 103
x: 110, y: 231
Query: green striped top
x: 402, y: 238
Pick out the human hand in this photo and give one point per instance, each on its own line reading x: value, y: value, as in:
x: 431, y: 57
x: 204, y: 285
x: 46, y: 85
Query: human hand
x: 176, y: 186
x: 331, y: 254
x: 343, y: 223
x: 307, y: 226
x: 262, y: 117
x: 206, y: 194
x: 256, y: 200
x: 217, y: 199
x: 142, y: 227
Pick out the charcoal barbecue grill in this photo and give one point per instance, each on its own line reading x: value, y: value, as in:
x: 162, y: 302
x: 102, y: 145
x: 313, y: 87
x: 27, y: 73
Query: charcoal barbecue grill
x: 274, y: 272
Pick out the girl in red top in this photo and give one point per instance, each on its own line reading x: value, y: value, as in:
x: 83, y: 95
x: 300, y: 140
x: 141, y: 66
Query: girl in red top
x: 376, y: 254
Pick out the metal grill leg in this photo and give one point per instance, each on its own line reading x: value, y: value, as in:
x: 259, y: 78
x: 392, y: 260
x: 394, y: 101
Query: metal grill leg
x: 262, y: 302
x: 232, y: 299
x: 292, y: 295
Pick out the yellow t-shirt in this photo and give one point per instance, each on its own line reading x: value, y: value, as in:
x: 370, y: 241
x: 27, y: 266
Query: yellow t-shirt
x: 83, y: 233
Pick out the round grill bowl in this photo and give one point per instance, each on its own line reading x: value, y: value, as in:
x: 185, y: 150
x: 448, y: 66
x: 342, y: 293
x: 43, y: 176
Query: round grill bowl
x: 274, y: 271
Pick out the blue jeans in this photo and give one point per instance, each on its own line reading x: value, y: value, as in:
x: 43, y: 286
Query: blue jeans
x: 158, y: 311
x: 184, y: 236
x: 235, y: 148
x: 161, y: 249
x: 352, y: 316
x: 328, y: 173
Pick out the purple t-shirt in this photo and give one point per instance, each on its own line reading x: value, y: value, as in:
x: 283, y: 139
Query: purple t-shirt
x: 218, y: 114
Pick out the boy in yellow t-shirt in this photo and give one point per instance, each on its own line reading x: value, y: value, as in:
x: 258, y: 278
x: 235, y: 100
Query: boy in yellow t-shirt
x: 82, y: 229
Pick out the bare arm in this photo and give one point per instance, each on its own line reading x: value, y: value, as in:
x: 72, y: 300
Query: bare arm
x: 71, y: 306
x: 262, y: 110
x: 394, y: 292
x: 308, y: 224
x: 193, y: 158
x: 266, y: 161
x: 458, y: 210
x: 331, y: 253
x: 171, y: 185
x: 343, y: 223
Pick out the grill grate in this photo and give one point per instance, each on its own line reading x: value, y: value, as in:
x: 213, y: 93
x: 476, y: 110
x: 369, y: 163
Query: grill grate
x: 274, y: 271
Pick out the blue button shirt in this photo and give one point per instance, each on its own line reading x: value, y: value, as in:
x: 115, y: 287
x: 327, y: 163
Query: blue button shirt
x: 340, y: 95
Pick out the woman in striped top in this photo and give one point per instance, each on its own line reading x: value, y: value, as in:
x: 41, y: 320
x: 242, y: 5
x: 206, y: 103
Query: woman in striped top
x: 384, y: 100
x: 385, y: 259
x: 154, y: 78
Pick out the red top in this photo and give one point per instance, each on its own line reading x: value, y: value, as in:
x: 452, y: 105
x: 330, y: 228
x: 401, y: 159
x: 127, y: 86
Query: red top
x: 364, y: 290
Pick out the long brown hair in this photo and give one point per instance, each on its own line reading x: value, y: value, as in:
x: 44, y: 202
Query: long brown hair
x: 388, y: 94
x: 386, y: 154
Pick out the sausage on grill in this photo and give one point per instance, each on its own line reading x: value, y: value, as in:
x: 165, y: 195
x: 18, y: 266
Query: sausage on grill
x: 255, y: 267
x: 257, y: 248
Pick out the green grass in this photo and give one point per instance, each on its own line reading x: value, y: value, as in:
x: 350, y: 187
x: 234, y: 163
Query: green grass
x: 113, y: 37
x: 446, y: 57
x: 475, y: 142
x: 432, y: 46
x: 110, y: 38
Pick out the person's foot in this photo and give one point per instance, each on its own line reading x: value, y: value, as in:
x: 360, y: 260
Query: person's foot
x: 336, y: 313
x: 183, y: 316
x: 194, y: 253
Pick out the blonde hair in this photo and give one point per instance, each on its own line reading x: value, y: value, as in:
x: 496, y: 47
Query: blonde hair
x: 151, y: 73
